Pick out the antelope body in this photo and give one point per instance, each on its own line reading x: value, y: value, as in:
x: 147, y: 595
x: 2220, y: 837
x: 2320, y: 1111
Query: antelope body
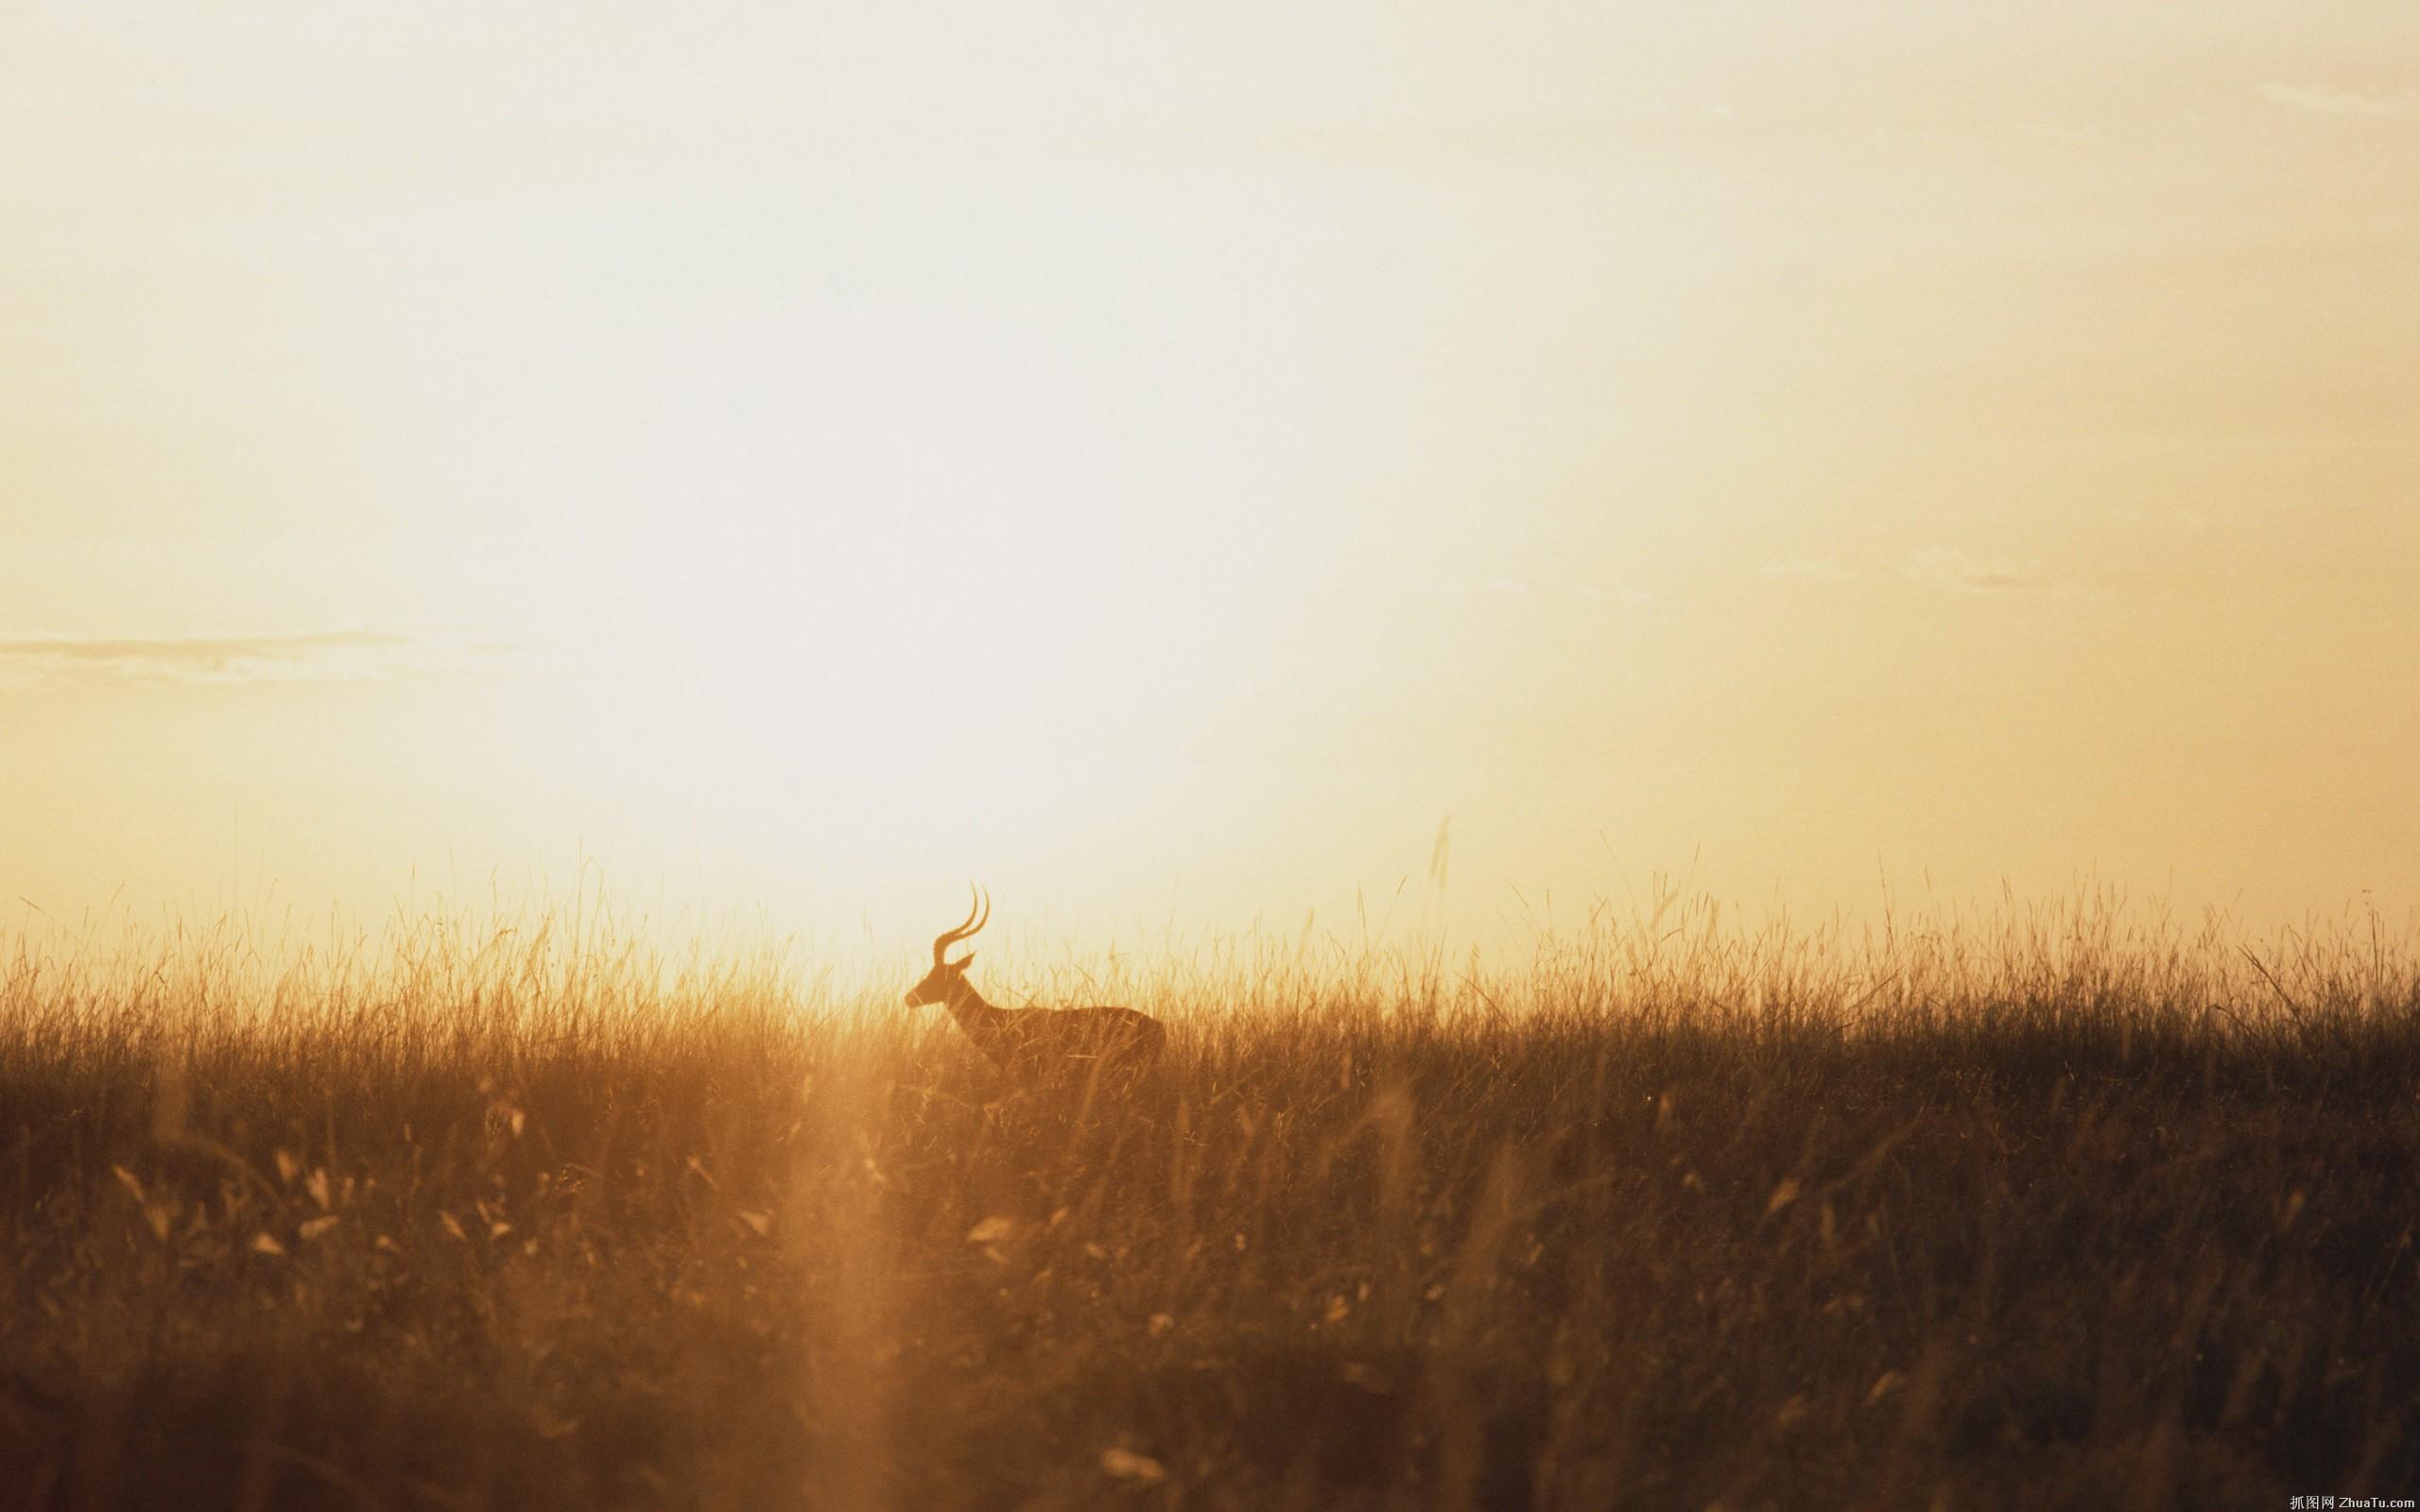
x: 1031, y: 1042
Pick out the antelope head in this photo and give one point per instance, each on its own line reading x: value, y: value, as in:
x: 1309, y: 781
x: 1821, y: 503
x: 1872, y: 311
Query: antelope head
x: 944, y: 981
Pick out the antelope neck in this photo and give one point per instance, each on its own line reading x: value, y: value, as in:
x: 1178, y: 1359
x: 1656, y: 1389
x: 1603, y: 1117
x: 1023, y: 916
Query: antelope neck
x: 967, y: 1006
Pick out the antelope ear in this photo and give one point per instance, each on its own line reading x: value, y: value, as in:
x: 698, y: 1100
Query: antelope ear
x: 964, y: 961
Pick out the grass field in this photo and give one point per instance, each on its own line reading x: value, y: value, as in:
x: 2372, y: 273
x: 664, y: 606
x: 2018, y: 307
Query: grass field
x: 2064, y: 1208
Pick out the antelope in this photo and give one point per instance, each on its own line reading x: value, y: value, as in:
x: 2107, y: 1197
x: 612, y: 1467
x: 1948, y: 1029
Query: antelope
x: 1030, y: 1043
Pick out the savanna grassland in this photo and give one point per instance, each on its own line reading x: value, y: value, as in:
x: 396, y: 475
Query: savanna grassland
x: 2064, y: 1208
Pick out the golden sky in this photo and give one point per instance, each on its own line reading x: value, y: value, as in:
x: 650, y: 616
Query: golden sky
x: 1167, y: 461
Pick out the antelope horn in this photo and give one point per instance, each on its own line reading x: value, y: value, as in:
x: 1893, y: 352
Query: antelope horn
x: 951, y: 937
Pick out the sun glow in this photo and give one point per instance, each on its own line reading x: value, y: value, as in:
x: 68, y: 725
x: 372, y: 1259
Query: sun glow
x: 844, y: 570
x: 803, y: 460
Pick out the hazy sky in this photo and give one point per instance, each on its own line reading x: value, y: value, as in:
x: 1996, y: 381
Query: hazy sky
x: 1167, y: 458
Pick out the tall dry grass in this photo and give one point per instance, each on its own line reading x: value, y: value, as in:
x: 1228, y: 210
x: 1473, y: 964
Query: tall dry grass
x: 2064, y: 1206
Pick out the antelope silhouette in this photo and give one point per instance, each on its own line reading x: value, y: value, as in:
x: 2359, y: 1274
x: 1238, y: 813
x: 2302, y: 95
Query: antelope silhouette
x: 1034, y: 1043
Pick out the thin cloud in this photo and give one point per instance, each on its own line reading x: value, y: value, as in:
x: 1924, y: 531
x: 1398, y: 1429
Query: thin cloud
x: 2322, y: 99
x: 1950, y: 567
x: 2181, y: 519
x: 1807, y: 569
x: 316, y: 656
x: 1937, y: 566
x: 1633, y: 598
x: 1720, y: 110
